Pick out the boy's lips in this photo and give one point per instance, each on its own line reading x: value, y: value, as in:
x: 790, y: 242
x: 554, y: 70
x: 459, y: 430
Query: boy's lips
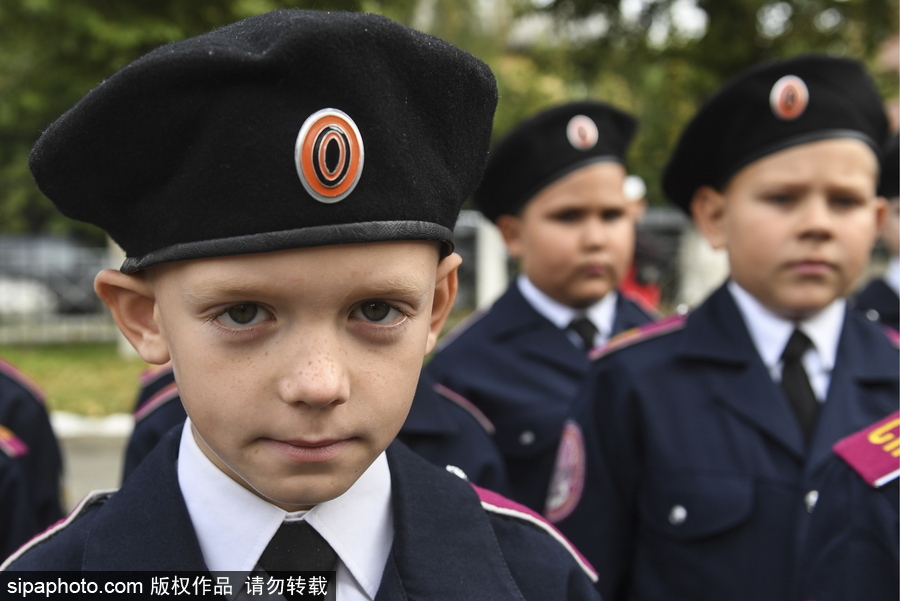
x: 309, y: 451
x: 811, y: 267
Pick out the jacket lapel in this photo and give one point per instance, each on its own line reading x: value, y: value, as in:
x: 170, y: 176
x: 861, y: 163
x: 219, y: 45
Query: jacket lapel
x: 863, y: 387
x: 444, y: 545
x: 533, y: 335
x: 717, y: 336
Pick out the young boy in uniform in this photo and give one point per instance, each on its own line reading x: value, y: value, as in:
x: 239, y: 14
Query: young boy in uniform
x: 554, y: 186
x: 705, y: 438
x: 285, y: 190
x: 880, y: 299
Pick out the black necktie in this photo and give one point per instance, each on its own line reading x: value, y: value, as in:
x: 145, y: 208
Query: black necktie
x: 796, y: 383
x: 586, y: 330
x: 297, y: 547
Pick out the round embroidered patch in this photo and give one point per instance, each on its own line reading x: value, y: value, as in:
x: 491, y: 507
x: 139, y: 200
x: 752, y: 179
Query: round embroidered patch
x: 582, y: 132
x: 329, y: 155
x: 789, y: 97
x: 567, y: 481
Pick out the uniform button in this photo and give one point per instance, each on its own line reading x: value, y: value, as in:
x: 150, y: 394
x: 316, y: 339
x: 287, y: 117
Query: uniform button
x: 526, y: 438
x: 811, y: 499
x: 677, y: 515
x: 872, y: 315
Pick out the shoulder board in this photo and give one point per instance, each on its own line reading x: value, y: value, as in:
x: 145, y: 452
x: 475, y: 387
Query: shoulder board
x: 156, y: 401
x: 30, y: 385
x: 97, y: 497
x: 467, y: 322
x: 467, y: 405
x: 874, y: 452
x: 639, y: 334
x: 892, y: 335
x: 11, y: 444
x: 155, y: 372
x: 495, y: 503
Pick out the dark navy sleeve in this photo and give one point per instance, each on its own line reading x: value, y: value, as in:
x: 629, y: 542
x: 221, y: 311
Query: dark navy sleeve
x: 23, y: 412
x: 17, y: 520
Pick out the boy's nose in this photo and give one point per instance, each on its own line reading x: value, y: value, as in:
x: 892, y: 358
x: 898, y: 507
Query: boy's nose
x: 315, y: 376
x: 594, y: 233
x: 817, y: 219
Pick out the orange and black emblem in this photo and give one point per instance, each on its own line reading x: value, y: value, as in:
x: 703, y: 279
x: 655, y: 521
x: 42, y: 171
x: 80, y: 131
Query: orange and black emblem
x: 329, y: 155
x: 789, y: 97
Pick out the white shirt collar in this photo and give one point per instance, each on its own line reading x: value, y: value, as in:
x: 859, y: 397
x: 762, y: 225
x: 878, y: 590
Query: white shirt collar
x: 892, y: 275
x: 770, y: 334
x: 602, y: 313
x: 358, y: 525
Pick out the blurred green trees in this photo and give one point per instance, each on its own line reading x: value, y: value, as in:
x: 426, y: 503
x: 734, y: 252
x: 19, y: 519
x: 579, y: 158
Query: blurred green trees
x: 654, y: 58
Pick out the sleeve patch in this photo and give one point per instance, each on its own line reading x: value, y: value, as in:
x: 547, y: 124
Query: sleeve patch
x: 567, y: 481
x: 11, y: 444
x: 874, y: 452
x: 500, y: 505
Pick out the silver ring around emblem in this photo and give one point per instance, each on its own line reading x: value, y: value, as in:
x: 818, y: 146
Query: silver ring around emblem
x: 329, y: 155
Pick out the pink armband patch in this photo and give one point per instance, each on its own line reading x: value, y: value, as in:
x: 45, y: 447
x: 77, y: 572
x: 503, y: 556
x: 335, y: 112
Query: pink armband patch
x: 874, y: 452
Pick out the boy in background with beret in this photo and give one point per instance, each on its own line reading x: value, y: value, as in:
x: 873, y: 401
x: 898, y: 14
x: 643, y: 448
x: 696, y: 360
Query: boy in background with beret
x: 707, y: 437
x: 554, y: 186
x: 285, y: 190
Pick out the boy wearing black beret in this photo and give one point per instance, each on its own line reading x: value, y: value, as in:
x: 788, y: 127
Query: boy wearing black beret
x: 707, y: 437
x: 554, y: 186
x: 285, y: 189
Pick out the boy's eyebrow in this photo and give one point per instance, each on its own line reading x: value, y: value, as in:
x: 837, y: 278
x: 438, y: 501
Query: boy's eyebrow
x: 213, y: 289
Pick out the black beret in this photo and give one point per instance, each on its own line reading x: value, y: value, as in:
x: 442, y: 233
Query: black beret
x: 548, y: 146
x: 770, y: 107
x: 889, y: 183
x: 289, y: 129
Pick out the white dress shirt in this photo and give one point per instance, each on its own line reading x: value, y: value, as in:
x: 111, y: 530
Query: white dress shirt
x: 602, y: 313
x: 234, y: 526
x: 770, y: 334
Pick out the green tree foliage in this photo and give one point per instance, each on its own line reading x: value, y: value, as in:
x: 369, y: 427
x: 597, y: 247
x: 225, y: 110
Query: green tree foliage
x: 654, y: 58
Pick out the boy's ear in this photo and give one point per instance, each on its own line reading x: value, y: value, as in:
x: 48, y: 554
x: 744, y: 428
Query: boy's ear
x: 708, y: 211
x: 132, y: 302
x: 445, y: 287
x: 510, y: 227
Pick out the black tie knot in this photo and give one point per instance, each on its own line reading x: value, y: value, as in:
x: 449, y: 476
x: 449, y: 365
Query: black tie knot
x: 797, y: 345
x: 585, y: 329
x: 297, y: 547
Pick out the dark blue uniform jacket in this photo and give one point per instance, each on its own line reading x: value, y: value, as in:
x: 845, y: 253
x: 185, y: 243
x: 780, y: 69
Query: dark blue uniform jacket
x: 23, y: 412
x: 438, y: 428
x: 697, y: 475
x: 881, y: 298
x: 446, y: 544
x: 853, y: 550
x: 523, y: 372
x: 17, y: 520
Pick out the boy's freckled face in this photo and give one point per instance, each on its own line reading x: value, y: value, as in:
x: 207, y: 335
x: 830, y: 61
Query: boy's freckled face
x: 575, y: 238
x: 799, y: 224
x: 298, y: 367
